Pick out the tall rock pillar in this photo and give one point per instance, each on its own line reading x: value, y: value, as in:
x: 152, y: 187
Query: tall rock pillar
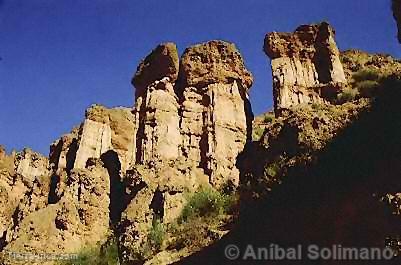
x: 156, y: 108
x: 306, y: 65
x: 216, y: 113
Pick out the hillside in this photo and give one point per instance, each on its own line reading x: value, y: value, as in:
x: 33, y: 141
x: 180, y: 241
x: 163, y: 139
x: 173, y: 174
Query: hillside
x: 188, y: 170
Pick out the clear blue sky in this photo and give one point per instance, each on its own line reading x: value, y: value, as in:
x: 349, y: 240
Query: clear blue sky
x: 60, y: 56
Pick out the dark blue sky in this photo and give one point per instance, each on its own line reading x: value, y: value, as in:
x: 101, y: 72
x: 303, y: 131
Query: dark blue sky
x: 60, y: 56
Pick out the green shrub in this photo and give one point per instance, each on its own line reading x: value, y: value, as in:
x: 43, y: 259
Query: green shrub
x: 269, y: 117
x: 257, y: 133
x: 367, y: 88
x: 347, y: 95
x: 104, y: 255
x: 194, y: 233
x: 156, y: 235
x: 272, y: 169
x: 203, y: 219
x: 207, y: 202
x: 366, y: 74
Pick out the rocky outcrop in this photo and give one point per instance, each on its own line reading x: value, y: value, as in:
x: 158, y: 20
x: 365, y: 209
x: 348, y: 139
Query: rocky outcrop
x: 79, y: 219
x: 199, y: 110
x: 160, y: 63
x: 30, y: 165
x: 396, y: 6
x: 213, y: 62
x: 356, y: 62
x: 156, y: 107
x: 155, y: 195
x: 306, y: 65
x: 123, y: 169
x: 103, y: 130
x: 216, y: 113
x: 24, y: 187
x: 192, y: 122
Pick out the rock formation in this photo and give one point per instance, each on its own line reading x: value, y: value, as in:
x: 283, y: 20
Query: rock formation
x: 216, y: 114
x: 199, y: 110
x: 156, y: 108
x: 192, y: 122
x: 396, y: 6
x: 103, y: 130
x: 24, y: 187
x: 122, y: 169
x: 306, y: 65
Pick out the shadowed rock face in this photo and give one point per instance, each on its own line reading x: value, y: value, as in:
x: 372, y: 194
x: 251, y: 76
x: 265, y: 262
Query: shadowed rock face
x: 190, y: 130
x: 161, y: 62
x: 397, y: 15
x: 306, y: 65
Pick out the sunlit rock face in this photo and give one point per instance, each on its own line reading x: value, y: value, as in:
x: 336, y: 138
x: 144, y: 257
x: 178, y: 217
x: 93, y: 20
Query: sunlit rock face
x: 198, y: 110
x: 24, y: 185
x: 103, y: 130
x: 306, y: 65
x: 123, y: 168
x: 156, y: 108
x: 216, y: 113
x: 193, y: 119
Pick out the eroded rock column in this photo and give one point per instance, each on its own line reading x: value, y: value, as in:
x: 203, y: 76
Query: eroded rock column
x: 158, y: 137
x: 215, y: 108
x: 306, y: 65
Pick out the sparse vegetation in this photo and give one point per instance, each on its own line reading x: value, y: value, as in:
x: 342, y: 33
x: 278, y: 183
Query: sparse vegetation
x: 268, y: 117
x: 366, y: 82
x: 347, y: 95
x: 104, y: 255
x: 367, y: 88
x: 202, y: 219
x: 261, y: 123
x: 257, y: 133
x: 207, y: 202
x: 156, y: 235
x: 366, y: 74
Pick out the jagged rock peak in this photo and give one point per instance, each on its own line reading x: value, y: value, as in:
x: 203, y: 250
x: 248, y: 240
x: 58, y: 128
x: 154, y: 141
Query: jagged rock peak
x: 397, y: 15
x: 302, y: 43
x: 306, y: 65
x: 211, y: 62
x: 202, y: 116
x: 162, y: 62
x: 103, y: 130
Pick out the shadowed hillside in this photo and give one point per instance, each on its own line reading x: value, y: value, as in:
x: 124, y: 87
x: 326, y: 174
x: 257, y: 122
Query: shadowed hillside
x: 334, y: 200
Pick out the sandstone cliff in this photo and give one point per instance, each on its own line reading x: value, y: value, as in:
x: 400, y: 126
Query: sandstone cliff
x: 123, y: 169
x: 324, y: 173
x: 305, y: 64
x: 159, y: 180
x: 200, y: 112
